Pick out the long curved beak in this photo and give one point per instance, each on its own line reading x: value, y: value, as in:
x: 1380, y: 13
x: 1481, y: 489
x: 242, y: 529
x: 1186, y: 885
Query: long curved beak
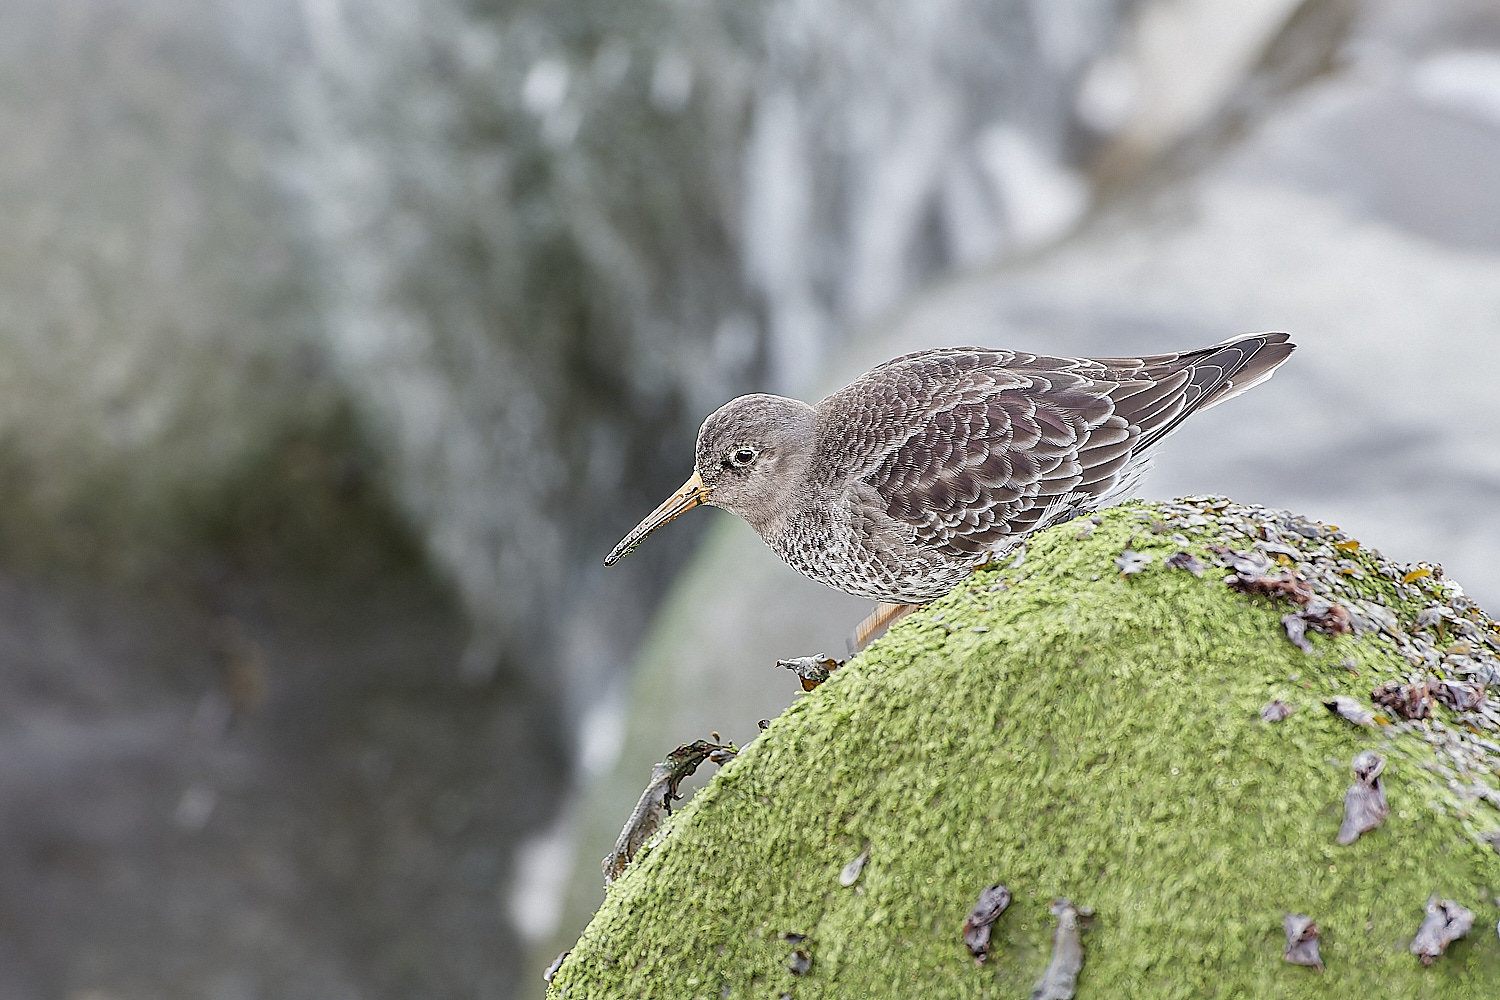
x: 692, y: 493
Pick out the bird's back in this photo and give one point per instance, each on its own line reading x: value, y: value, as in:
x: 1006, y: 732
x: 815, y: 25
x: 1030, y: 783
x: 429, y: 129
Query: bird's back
x: 947, y: 456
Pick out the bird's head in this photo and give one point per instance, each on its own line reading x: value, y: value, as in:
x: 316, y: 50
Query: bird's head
x: 751, y: 456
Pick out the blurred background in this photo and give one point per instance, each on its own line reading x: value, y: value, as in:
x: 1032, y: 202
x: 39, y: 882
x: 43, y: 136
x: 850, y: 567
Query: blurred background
x: 340, y: 339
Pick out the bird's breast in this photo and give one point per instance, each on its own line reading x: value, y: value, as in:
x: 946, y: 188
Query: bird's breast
x: 851, y: 546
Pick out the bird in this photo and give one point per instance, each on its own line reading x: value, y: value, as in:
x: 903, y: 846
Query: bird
x: 898, y: 485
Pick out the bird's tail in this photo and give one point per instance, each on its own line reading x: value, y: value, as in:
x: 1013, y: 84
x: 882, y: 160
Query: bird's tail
x: 1172, y: 387
x: 1238, y: 364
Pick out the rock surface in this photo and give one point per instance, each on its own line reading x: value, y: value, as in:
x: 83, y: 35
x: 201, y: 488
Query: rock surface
x: 1077, y: 733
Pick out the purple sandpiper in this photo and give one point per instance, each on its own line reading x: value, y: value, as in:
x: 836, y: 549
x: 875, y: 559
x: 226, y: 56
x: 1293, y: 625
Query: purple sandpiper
x: 898, y: 485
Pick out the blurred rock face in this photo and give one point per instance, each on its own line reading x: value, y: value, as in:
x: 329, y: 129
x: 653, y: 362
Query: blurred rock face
x: 237, y: 761
x: 155, y: 321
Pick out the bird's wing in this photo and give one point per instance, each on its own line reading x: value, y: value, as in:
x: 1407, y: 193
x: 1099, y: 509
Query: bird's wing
x: 973, y: 448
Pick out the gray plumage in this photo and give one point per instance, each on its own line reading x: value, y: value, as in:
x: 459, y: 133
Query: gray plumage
x: 897, y: 485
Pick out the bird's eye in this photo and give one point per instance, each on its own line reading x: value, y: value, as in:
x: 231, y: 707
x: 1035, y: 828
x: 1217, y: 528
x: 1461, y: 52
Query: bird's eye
x: 742, y: 457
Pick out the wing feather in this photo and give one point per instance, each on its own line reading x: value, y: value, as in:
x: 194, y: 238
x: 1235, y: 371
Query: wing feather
x: 971, y: 448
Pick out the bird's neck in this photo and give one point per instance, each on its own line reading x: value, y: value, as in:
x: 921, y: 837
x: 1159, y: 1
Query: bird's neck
x: 792, y: 502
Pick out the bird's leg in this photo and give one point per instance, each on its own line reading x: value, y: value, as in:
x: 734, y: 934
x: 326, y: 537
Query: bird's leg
x: 883, y: 617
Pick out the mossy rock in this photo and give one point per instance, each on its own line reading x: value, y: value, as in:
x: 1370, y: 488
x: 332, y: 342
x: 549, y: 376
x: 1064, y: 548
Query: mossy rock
x: 1074, y: 732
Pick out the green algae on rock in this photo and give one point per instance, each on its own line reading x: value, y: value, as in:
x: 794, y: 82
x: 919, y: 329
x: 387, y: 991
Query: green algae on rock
x: 1076, y: 732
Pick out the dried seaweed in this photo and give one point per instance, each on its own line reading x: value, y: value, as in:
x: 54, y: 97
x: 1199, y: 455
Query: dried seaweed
x: 1252, y: 575
x: 1278, y: 549
x: 1445, y: 923
x: 1460, y: 696
x: 1061, y: 977
x: 1365, y: 807
x: 1407, y: 701
x: 656, y: 801
x: 850, y: 874
x: 1301, y: 941
x: 1184, y: 560
x: 811, y: 670
x: 976, y: 932
x: 1347, y: 708
x: 1296, y: 630
x: 1327, y: 617
x: 1276, y: 711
